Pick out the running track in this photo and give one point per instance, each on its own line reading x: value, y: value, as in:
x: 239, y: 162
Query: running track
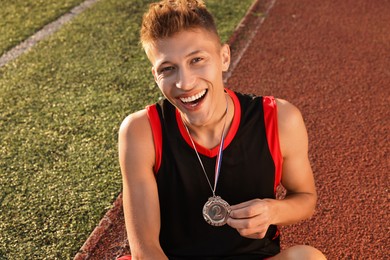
x: 332, y: 60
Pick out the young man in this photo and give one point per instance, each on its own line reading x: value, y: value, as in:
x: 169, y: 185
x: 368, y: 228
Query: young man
x: 200, y: 168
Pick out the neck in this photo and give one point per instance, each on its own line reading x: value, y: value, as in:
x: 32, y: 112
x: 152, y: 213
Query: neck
x: 209, y: 136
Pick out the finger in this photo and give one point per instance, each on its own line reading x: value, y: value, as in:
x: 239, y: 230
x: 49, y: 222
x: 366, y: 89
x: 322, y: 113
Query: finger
x: 244, y: 204
x: 245, y: 212
x: 246, y: 223
x: 237, y: 223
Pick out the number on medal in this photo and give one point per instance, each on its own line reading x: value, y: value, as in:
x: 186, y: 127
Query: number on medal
x: 217, y: 212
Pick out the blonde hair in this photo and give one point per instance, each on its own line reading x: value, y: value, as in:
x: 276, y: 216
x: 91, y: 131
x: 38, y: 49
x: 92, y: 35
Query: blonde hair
x: 168, y: 17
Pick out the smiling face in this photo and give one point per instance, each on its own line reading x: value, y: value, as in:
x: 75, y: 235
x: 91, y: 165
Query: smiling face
x: 188, y: 70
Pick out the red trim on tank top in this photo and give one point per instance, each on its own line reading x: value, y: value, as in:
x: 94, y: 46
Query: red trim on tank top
x: 271, y: 129
x: 155, y: 124
x: 228, y: 138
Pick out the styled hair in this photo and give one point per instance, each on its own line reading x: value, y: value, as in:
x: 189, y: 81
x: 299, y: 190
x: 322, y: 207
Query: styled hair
x: 168, y: 17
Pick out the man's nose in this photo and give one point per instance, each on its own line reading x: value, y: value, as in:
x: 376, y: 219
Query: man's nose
x: 185, y: 79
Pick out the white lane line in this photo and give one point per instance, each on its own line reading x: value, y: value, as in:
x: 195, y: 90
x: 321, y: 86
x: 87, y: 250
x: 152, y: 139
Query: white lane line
x: 47, y: 30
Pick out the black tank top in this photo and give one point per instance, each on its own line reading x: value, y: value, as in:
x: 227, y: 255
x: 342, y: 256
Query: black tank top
x: 251, y: 168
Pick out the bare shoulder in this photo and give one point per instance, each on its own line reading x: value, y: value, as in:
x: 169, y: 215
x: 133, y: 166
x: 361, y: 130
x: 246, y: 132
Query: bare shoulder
x: 292, y: 129
x: 136, y: 128
x: 135, y: 142
x: 288, y: 114
x: 133, y: 122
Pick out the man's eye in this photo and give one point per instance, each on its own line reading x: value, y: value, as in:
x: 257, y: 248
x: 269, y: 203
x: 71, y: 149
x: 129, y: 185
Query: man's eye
x: 195, y: 60
x: 167, y: 69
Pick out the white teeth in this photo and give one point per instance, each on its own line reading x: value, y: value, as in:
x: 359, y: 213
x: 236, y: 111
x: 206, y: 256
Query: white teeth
x: 194, y: 97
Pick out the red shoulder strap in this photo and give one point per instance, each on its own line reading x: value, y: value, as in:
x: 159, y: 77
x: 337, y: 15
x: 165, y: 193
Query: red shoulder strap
x: 155, y: 124
x: 271, y: 129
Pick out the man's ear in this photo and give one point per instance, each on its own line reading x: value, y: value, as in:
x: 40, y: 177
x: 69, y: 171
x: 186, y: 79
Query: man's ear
x: 225, y: 55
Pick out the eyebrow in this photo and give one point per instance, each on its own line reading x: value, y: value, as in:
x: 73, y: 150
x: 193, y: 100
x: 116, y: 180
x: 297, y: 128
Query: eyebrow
x: 193, y: 53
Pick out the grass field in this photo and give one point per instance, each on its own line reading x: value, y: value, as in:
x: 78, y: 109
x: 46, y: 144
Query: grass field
x: 60, y: 108
x: 20, y: 18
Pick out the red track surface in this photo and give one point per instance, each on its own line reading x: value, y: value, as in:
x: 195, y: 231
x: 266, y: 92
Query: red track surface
x: 332, y: 60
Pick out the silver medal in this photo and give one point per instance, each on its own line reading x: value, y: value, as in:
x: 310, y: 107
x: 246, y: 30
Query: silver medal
x: 216, y: 211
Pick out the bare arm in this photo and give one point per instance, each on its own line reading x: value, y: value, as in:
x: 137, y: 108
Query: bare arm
x: 297, y: 175
x: 140, y: 195
x: 252, y: 218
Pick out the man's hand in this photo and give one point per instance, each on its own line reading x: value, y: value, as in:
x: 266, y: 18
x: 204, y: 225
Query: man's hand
x: 251, y: 218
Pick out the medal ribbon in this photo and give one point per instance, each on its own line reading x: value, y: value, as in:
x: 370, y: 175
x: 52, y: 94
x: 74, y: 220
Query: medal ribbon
x: 219, y: 156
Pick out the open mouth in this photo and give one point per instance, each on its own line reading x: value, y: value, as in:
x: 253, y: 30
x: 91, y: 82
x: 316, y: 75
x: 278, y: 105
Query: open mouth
x: 195, y: 99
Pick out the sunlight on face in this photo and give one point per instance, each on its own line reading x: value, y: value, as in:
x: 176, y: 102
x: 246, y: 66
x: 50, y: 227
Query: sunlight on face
x: 188, y: 69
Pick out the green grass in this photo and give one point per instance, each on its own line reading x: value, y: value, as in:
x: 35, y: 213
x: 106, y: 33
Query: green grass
x: 60, y: 108
x: 20, y: 18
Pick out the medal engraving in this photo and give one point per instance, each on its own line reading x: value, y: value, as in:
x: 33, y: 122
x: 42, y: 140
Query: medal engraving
x: 216, y: 211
